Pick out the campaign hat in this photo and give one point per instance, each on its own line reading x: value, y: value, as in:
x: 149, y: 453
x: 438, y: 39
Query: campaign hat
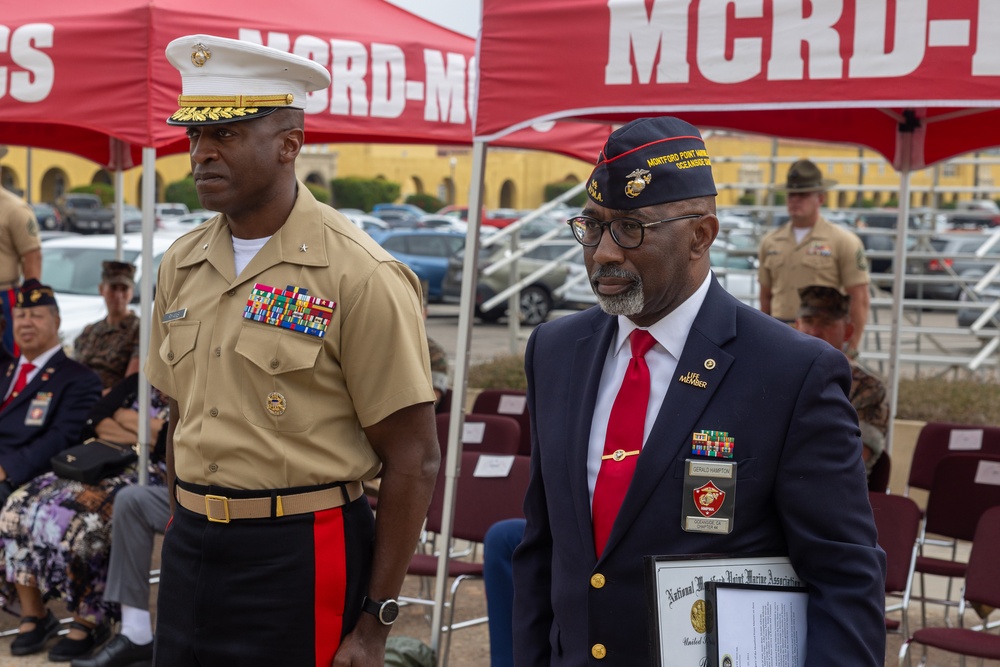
x: 227, y: 80
x: 805, y: 176
x: 651, y: 161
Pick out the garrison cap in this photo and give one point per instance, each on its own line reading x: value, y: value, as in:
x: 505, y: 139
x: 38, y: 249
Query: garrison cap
x: 822, y: 301
x: 33, y: 293
x: 226, y: 80
x: 651, y: 161
x: 118, y: 273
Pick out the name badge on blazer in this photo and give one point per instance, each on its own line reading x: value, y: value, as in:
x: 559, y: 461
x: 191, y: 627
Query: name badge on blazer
x: 38, y: 409
x: 709, y: 500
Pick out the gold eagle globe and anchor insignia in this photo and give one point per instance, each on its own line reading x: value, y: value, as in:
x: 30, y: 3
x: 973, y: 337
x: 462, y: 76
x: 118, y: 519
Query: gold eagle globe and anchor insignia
x: 201, y: 55
x: 276, y: 404
x: 699, y: 616
x: 638, y: 180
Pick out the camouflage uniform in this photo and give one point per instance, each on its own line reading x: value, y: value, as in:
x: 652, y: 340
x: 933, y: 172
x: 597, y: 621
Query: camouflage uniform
x: 439, y: 366
x: 869, y: 400
x: 108, y: 349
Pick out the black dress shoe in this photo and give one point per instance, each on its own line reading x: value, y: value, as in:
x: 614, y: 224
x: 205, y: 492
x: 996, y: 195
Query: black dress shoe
x: 120, y: 652
x: 34, y: 641
x: 66, y: 649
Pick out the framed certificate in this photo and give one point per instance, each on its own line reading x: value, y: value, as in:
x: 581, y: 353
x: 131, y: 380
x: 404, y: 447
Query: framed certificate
x: 676, y: 591
x: 751, y: 625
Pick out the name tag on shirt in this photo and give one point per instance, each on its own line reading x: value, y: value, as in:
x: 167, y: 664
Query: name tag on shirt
x: 709, y: 500
x: 38, y: 409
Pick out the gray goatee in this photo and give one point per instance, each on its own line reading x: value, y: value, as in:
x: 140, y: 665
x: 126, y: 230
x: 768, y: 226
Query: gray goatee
x: 628, y: 303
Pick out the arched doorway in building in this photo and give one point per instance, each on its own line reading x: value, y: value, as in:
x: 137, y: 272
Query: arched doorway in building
x: 53, y: 185
x: 316, y: 178
x: 158, y: 193
x: 508, y: 194
x: 102, y: 176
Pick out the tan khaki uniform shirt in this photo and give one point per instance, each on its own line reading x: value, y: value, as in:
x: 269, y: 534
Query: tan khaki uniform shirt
x: 18, y: 236
x: 829, y: 255
x: 263, y: 407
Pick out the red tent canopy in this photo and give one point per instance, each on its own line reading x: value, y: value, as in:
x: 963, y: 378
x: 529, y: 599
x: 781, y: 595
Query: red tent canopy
x: 74, y: 74
x: 847, y: 71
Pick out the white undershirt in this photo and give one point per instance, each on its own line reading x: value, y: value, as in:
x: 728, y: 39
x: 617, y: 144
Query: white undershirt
x: 39, y: 363
x: 800, y: 233
x: 245, y: 249
x: 671, y: 333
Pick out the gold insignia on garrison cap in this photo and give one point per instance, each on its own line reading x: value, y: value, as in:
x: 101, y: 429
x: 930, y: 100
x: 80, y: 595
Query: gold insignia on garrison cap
x: 638, y: 180
x: 200, y: 55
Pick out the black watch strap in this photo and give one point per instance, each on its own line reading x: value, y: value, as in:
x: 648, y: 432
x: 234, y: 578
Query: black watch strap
x: 385, y: 611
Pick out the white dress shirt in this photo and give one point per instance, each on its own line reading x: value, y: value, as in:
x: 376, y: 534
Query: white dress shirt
x: 671, y: 333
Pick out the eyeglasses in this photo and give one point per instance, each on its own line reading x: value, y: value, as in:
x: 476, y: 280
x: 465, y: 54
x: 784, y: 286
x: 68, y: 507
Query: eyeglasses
x: 628, y: 233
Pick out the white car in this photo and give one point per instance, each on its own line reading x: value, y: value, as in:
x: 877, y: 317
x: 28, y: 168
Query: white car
x: 185, y: 223
x: 71, y: 265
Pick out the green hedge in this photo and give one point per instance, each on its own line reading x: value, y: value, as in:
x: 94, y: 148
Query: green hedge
x: 362, y: 193
x: 319, y: 192
x: 553, y: 190
x: 183, y: 192
x: 427, y: 202
x: 103, y: 190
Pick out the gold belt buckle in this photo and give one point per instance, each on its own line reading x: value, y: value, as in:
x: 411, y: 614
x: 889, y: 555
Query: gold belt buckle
x: 225, y: 508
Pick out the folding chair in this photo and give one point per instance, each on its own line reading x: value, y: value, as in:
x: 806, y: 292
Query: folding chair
x: 479, y: 503
x: 510, y: 403
x: 963, y: 488
x: 878, y: 480
x: 982, y: 592
x: 897, y: 519
x: 936, y: 441
x: 483, y: 434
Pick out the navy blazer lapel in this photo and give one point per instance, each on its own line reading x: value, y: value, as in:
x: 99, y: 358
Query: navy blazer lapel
x: 7, y: 378
x: 584, y: 382
x: 41, y: 378
x: 670, y: 437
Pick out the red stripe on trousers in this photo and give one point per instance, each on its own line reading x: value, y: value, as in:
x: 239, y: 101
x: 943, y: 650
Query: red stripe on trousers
x: 331, y: 582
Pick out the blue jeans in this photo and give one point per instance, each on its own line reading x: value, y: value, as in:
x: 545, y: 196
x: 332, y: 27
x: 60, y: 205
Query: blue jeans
x: 498, y: 574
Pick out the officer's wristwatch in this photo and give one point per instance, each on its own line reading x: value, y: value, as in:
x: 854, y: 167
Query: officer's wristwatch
x: 385, y: 611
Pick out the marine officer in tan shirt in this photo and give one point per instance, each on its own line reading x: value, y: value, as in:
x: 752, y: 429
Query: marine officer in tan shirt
x: 20, y: 255
x: 294, y: 351
x: 809, y: 250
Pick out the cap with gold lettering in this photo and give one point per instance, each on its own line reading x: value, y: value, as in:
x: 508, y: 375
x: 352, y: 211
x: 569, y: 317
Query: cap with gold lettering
x: 651, y: 161
x: 227, y: 80
x: 33, y: 293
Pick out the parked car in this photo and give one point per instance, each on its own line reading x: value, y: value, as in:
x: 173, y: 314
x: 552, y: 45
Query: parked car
x: 434, y: 221
x: 365, y: 221
x: 975, y: 214
x: 47, y: 215
x: 537, y: 300
x: 950, y: 249
x: 85, y: 213
x: 131, y: 218
x: 397, y: 219
x: 412, y: 209
x: 886, y: 220
x: 185, y: 223
x: 425, y: 251
x: 71, y: 265
x: 164, y: 211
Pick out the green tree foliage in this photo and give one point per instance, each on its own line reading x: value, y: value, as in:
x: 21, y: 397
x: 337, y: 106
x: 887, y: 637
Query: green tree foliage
x: 103, y: 190
x: 362, y: 193
x: 183, y: 192
x: 747, y: 199
x: 319, y: 192
x: 553, y: 190
x: 427, y: 202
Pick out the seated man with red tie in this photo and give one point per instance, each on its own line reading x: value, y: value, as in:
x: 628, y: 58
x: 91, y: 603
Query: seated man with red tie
x: 45, y: 396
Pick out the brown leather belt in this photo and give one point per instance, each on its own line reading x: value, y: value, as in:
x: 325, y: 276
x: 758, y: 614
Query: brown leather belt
x: 8, y: 286
x: 220, y: 509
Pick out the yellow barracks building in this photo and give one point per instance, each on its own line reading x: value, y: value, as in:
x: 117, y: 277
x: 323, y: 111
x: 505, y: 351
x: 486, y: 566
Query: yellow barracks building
x: 744, y: 166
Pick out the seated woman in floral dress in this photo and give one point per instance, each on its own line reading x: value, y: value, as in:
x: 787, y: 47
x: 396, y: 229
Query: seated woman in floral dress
x: 56, y: 534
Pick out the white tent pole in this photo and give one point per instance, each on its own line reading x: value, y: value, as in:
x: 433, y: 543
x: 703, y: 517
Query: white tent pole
x: 146, y: 305
x: 119, y: 212
x: 470, y: 275
x: 906, y: 138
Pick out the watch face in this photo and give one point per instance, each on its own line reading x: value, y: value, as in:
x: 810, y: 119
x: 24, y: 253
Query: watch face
x: 388, y: 612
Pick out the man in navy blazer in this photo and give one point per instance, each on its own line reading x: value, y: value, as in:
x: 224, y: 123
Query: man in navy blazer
x: 46, y: 415
x: 775, y: 399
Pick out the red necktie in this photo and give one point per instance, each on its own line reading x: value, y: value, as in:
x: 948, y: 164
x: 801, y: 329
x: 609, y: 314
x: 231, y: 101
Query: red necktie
x: 20, y: 383
x: 624, y: 439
